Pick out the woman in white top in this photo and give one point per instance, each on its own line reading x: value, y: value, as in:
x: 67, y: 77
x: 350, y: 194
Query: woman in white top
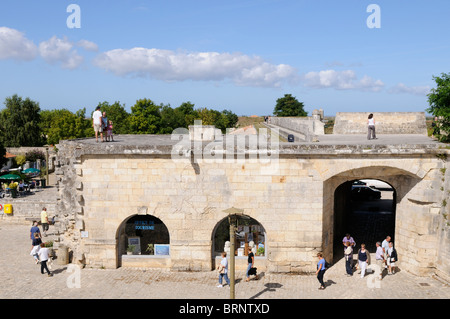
x: 223, y: 270
x: 371, y: 127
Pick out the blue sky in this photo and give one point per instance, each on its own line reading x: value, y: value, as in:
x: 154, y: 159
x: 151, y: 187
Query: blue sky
x: 236, y: 55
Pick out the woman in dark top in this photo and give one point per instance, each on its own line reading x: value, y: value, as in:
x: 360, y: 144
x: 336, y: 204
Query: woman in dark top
x: 363, y: 259
x: 251, y: 264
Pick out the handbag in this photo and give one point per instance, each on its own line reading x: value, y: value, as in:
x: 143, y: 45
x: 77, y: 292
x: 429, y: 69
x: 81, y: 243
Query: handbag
x: 221, y: 269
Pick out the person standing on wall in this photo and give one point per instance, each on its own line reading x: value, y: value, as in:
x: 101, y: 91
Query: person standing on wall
x: 105, y: 126
x: 371, y: 128
x: 97, y: 123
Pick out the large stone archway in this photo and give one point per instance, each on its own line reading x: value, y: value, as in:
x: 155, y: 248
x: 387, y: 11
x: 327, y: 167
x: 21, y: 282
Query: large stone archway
x: 413, y: 217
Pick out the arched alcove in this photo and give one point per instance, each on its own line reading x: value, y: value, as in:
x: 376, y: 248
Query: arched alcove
x: 148, y: 234
x: 248, y: 230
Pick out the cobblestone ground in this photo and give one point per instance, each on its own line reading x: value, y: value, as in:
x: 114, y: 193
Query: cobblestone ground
x: 20, y: 278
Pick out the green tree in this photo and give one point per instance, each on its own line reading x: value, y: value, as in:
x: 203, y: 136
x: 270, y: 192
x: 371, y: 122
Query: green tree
x: 3, y: 160
x: 171, y: 119
x: 187, y: 109
x: 145, y: 117
x: 20, y: 123
x: 289, y: 106
x: 439, y: 101
x: 62, y: 124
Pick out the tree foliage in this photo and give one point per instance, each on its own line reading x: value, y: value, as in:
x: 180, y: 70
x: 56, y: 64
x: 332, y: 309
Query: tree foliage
x: 146, y: 117
x: 62, y: 124
x: 289, y: 106
x: 439, y: 101
x: 20, y: 123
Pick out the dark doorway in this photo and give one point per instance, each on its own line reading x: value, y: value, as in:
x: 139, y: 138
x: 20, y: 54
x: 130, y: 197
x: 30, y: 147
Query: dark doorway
x: 366, y: 210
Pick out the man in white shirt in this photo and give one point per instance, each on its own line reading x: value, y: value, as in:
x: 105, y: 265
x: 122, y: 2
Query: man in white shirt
x: 43, y: 257
x: 97, y: 123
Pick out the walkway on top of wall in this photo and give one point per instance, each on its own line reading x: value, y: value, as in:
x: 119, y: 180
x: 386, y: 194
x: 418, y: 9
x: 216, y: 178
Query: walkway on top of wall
x: 327, y: 139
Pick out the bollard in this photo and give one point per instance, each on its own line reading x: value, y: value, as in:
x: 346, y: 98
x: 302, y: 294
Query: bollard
x: 63, y: 255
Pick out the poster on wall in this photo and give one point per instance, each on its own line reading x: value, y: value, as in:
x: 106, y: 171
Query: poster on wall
x: 162, y: 249
x: 136, y: 242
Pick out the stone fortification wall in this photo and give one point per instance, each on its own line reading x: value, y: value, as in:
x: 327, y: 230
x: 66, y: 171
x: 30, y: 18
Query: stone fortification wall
x: 308, y: 127
x: 385, y: 123
x: 443, y: 223
x: 101, y: 186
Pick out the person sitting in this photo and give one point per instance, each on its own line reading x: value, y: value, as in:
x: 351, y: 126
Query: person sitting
x: 21, y: 187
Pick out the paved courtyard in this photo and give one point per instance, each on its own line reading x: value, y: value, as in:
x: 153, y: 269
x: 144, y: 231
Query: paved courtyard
x: 20, y: 278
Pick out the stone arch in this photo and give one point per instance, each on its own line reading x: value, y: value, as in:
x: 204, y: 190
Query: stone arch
x: 402, y: 180
x: 149, y: 229
x: 255, y: 232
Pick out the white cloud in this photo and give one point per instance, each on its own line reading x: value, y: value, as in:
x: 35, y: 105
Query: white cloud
x: 57, y: 50
x: 401, y: 88
x: 341, y: 80
x: 197, y: 66
x: 88, y: 45
x: 14, y: 45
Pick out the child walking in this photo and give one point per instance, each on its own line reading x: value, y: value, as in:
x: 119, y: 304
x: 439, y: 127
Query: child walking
x: 44, y: 256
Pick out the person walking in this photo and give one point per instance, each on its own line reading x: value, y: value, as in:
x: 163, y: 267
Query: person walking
x: 44, y: 256
x: 363, y: 259
x: 44, y: 221
x: 321, y: 271
x: 371, y: 128
x: 251, y: 264
x: 392, y: 258
x: 379, y: 259
x: 223, y: 270
x: 35, y: 247
x: 348, y: 254
x: 34, y: 230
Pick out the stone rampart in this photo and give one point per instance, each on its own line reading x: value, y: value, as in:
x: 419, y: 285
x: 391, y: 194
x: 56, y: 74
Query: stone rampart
x: 102, y: 185
x: 308, y: 127
x: 385, y: 123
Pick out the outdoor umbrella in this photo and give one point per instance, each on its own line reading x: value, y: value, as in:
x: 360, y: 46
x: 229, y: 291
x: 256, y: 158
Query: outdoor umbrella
x: 10, y: 177
x: 31, y: 171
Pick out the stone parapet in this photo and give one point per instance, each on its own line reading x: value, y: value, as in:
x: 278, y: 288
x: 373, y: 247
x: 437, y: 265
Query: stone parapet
x: 385, y: 123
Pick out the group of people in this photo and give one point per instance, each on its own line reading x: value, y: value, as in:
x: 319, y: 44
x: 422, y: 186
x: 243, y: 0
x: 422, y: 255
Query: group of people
x: 223, y: 268
x: 385, y: 257
x: 101, y: 125
x: 40, y: 253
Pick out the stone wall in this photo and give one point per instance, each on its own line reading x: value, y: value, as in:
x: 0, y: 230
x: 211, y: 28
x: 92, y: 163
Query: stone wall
x: 308, y: 127
x: 385, y: 123
x: 443, y: 221
x: 26, y: 209
x: 101, y: 187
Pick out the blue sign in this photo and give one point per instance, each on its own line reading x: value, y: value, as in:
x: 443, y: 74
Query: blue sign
x: 144, y: 225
